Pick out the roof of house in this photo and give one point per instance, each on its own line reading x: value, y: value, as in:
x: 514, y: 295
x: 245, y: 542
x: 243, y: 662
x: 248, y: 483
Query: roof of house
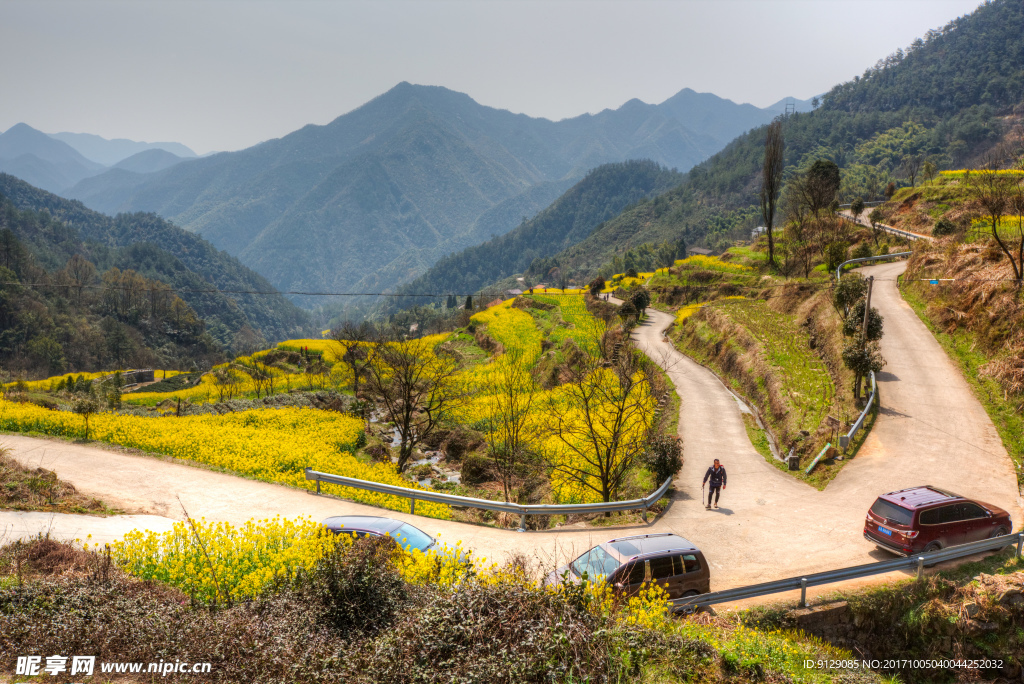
x: 699, y: 250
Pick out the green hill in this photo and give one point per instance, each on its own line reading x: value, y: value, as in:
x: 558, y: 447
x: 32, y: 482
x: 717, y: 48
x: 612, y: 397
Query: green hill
x: 949, y: 98
x: 600, y: 196
x: 53, y: 229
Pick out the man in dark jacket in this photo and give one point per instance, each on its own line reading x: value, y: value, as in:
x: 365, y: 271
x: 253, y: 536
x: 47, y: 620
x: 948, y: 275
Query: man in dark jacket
x: 716, y: 474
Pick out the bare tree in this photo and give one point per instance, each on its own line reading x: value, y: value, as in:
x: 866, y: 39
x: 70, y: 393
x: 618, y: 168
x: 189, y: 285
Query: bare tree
x: 603, y: 423
x: 912, y: 164
x: 352, y: 348
x: 771, y: 181
x: 419, y: 387
x: 225, y: 382
x: 993, y: 195
x: 259, y: 373
x: 511, y: 431
x: 80, y: 274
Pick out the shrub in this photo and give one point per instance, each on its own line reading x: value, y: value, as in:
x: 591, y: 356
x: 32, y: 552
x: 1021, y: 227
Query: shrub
x: 357, y: 588
x: 835, y: 254
x: 664, y: 457
x: 850, y: 290
x: 862, y: 251
x: 855, y: 320
x: 476, y: 469
x: 944, y: 227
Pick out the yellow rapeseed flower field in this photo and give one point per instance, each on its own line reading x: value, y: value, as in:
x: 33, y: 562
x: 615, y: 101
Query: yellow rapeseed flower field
x: 220, y: 563
x: 273, y: 445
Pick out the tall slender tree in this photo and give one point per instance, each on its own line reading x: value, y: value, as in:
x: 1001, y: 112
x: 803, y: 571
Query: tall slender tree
x: 771, y: 181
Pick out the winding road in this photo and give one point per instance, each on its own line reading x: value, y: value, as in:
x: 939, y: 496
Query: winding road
x: 931, y: 430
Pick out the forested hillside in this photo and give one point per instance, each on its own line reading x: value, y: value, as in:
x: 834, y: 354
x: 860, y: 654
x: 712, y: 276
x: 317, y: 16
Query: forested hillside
x: 946, y: 100
x: 52, y: 230
x: 600, y: 196
x: 70, y: 306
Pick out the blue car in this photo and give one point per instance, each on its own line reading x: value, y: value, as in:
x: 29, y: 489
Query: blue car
x: 406, y: 535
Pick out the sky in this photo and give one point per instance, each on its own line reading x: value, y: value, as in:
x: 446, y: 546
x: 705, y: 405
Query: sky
x: 224, y: 75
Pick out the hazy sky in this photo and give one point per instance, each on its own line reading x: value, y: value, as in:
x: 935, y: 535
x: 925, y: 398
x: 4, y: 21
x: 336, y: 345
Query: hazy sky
x: 222, y: 75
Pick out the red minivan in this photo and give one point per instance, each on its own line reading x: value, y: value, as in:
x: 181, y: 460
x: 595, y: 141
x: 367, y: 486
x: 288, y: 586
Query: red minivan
x: 922, y: 519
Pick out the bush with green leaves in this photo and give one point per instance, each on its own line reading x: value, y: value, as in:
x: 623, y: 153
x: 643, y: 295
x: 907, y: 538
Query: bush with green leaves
x: 664, y: 457
x: 356, y: 588
x: 848, y: 291
x: 855, y: 321
x: 944, y: 227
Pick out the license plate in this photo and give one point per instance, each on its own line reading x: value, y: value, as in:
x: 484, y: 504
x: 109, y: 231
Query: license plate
x: 885, y: 531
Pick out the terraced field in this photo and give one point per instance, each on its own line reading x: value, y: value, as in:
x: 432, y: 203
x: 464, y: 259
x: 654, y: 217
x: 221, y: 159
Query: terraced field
x: 787, y: 347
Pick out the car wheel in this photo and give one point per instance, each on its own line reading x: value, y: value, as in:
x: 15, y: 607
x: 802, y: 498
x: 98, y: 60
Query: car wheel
x: 689, y: 610
x: 934, y: 546
x: 999, y: 532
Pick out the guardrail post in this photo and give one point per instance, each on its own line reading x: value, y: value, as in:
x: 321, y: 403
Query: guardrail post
x: 1020, y: 542
x: 522, y: 522
x: 412, y: 506
x: 803, y: 592
x: 920, y: 568
x: 643, y: 515
x: 318, y: 486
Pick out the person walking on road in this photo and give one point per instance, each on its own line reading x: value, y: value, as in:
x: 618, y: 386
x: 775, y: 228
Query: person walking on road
x: 716, y: 474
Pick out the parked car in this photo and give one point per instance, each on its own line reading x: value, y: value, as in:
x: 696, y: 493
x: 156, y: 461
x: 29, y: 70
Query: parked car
x: 406, y: 535
x: 626, y: 563
x: 922, y: 519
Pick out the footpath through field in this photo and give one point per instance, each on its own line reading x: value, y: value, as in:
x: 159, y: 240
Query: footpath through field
x: 769, y: 526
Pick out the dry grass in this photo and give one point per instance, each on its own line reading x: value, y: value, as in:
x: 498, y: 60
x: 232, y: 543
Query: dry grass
x: 981, y: 300
x: 38, y: 489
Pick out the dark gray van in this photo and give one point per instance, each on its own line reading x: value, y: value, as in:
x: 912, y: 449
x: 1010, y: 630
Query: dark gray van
x: 627, y: 562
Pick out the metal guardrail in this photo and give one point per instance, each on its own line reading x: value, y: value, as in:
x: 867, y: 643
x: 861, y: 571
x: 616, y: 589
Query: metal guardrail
x: 880, y: 257
x: 844, y: 440
x: 914, y: 562
x: 523, y: 510
x: 889, y: 229
x: 872, y: 203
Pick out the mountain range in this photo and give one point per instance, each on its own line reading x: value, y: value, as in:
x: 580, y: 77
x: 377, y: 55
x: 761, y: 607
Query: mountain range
x: 57, y: 162
x: 374, y: 198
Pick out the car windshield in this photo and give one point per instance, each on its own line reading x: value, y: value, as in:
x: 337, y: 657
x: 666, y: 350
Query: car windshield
x: 409, y: 537
x: 892, y: 512
x: 596, y: 563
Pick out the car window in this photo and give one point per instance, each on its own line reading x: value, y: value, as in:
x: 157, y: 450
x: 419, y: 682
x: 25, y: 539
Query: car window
x: 690, y: 563
x: 634, y: 574
x: 930, y: 517
x: 950, y: 514
x: 409, y: 537
x: 970, y: 511
x: 661, y: 568
x: 596, y: 563
x: 892, y: 513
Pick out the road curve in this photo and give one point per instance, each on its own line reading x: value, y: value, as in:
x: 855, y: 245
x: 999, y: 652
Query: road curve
x: 932, y: 429
x: 769, y: 525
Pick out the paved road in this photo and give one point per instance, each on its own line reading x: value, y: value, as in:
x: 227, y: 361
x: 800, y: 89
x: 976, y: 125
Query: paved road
x: 932, y: 429
x: 866, y: 222
x: 769, y: 526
